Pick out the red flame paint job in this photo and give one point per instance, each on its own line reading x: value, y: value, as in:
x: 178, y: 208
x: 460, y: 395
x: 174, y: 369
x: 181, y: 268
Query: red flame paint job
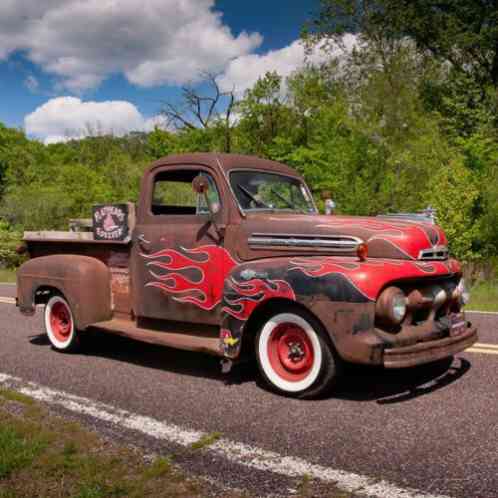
x: 371, y: 276
x: 404, y: 235
x: 206, y: 289
x: 254, y: 292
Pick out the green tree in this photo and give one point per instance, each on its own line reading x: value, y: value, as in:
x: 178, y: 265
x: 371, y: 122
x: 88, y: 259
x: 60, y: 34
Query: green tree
x: 453, y: 194
x: 160, y: 143
x: 463, y: 32
x: 264, y: 114
x: 43, y: 204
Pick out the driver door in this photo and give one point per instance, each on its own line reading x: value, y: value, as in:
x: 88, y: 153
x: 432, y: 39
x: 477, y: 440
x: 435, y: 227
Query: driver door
x: 178, y: 258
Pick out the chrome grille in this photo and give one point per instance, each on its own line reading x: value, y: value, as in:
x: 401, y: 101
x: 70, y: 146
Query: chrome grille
x: 434, y: 253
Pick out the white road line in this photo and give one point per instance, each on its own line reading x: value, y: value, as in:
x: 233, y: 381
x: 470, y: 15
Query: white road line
x: 239, y: 453
x: 485, y: 345
x: 482, y: 351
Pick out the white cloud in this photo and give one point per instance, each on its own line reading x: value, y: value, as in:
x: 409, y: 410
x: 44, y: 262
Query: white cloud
x: 243, y: 72
x: 152, y: 42
x: 158, y: 121
x: 64, y: 118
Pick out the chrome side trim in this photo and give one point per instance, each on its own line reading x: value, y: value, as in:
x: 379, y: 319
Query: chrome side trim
x: 426, y: 216
x: 337, y: 243
x: 434, y: 253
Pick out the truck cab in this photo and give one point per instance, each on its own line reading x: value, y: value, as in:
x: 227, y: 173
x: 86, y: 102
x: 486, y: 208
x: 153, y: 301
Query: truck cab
x: 228, y: 255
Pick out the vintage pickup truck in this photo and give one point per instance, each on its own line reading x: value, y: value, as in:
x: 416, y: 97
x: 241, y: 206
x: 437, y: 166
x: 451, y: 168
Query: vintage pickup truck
x: 228, y: 255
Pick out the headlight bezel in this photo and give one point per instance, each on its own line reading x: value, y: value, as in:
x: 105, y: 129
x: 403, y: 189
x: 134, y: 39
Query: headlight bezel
x: 392, y: 306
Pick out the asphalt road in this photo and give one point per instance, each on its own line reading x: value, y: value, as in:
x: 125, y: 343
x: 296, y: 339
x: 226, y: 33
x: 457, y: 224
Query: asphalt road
x: 432, y: 428
x: 7, y: 290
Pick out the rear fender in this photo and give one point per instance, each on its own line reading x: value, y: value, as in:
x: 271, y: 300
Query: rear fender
x: 84, y: 282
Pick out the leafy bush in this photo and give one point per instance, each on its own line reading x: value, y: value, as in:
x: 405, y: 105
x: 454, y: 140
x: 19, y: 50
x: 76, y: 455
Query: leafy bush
x: 9, y: 241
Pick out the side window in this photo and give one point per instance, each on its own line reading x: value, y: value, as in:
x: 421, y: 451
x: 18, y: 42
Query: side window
x: 172, y: 193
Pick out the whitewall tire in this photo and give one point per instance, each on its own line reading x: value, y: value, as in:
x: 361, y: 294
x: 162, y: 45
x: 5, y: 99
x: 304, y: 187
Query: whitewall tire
x: 293, y: 356
x: 59, y: 324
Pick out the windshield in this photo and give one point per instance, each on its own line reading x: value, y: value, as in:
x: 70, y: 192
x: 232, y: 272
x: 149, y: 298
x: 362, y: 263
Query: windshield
x: 256, y: 190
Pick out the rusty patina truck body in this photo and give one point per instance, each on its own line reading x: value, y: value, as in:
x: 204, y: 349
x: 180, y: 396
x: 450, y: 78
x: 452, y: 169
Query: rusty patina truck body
x: 242, y: 264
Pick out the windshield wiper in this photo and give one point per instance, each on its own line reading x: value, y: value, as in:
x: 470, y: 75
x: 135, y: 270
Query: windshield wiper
x: 256, y: 201
x: 289, y: 203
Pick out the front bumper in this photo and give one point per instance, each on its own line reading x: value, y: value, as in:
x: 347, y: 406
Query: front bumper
x: 428, y: 351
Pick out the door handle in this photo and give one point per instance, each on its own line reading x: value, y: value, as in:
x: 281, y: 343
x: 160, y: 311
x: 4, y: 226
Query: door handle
x: 141, y: 238
x: 143, y: 243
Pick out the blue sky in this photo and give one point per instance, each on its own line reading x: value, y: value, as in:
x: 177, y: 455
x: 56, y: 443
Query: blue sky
x: 133, y: 51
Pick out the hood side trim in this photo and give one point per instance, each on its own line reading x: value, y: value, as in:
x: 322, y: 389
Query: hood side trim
x: 334, y: 243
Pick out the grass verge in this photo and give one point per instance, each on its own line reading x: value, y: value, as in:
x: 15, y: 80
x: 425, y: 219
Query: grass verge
x: 47, y: 456
x: 43, y: 455
x: 484, y: 297
x: 206, y: 441
x: 8, y: 276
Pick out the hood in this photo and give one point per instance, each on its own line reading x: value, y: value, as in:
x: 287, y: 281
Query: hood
x: 268, y: 233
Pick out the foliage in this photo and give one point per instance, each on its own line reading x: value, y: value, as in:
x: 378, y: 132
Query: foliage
x: 463, y: 32
x: 10, y: 240
x: 48, y: 202
x: 453, y: 194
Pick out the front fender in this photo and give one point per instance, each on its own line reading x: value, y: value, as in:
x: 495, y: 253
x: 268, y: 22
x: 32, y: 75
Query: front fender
x: 334, y: 300
x: 84, y: 282
x: 340, y: 291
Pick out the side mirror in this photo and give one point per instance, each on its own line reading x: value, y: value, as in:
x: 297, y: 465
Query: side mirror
x: 200, y: 185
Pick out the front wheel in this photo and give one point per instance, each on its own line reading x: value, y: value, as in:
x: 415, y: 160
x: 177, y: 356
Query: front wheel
x: 293, y: 355
x: 59, y: 325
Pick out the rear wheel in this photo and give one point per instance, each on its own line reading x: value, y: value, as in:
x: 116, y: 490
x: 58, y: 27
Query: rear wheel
x: 294, y: 356
x: 59, y: 325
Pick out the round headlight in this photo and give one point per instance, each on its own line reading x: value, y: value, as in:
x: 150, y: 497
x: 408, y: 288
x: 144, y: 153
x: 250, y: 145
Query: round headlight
x: 398, y: 307
x: 463, y: 292
x: 391, y: 306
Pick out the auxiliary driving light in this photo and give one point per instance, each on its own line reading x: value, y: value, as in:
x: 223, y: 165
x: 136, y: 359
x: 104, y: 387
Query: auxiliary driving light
x: 463, y: 292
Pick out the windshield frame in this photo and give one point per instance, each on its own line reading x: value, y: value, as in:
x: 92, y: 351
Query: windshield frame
x: 271, y: 210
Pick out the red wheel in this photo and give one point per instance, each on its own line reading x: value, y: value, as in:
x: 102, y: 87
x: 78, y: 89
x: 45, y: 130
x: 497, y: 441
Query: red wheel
x: 59, y: 324
x: 290, y: 351
x: 61, y: 321
x: 293, y: 356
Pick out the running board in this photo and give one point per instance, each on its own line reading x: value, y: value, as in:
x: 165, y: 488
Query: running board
x: 189, y: 337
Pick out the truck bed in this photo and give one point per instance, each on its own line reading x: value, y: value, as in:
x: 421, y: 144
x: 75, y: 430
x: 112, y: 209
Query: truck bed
x: 114, y: 254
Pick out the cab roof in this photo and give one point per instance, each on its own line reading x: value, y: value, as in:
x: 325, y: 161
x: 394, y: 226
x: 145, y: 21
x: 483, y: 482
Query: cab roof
x: 225, y: 162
